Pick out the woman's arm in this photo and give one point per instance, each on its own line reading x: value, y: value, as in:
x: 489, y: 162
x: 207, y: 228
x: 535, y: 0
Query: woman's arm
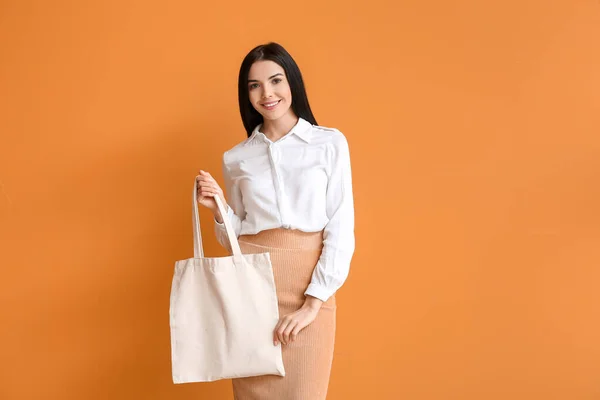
x: 333, y: 265
x: 234, y: 207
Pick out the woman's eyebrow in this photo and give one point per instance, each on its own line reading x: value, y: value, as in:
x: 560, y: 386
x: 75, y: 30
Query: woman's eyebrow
x: 271, y: 77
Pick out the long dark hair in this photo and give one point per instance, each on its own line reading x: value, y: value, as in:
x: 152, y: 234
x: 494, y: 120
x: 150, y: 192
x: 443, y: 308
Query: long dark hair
x: 273, y: 52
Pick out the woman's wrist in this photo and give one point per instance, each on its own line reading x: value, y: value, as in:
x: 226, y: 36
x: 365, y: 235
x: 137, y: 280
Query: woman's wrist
x: 217, y: 214
x: 313, y: 303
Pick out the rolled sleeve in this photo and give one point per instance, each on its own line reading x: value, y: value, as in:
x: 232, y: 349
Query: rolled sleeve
x: 234, y: 209
x: 333, y: 266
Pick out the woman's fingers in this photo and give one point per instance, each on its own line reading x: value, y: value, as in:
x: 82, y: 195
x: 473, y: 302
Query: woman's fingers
x: 205, y: 174
x: 288, y: 330
x: 289, y: 326
x: 275, y: 334
x: 282, y: 326
x: 210, y: 185
x: 207, y: 186
x: 205, y: 179
x: 208, y: 182
x: 295, y: 332
x: 207, y: 189
x: 206, y: 193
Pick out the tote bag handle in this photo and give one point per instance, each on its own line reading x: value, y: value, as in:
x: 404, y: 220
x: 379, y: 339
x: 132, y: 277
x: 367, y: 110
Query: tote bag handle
x: 238, y: 258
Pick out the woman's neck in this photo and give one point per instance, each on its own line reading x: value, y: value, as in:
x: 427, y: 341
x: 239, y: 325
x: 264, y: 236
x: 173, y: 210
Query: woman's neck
x: 278, y: 128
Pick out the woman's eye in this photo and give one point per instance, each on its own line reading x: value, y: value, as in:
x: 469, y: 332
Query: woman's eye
x: 252, y: 86
x: 276, y: 80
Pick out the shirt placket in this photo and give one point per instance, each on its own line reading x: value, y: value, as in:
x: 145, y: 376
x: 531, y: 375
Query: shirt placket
x: 274, y: 158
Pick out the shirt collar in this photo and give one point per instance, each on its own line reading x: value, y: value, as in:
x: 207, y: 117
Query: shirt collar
x: 302, y: 129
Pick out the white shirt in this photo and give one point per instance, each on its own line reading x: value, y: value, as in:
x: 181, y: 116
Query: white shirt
x: 301, y: 181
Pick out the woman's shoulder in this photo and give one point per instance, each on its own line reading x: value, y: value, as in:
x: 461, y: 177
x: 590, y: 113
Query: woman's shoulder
x: 237, y: 151
x: 234, y: 153
x: 326, y: 130
x: 328, y: 135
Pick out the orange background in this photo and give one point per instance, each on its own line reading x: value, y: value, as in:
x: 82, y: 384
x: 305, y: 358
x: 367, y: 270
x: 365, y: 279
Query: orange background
x: 474, y: 137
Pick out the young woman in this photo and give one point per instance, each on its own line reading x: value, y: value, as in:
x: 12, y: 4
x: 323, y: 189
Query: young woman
x: 289, y: 193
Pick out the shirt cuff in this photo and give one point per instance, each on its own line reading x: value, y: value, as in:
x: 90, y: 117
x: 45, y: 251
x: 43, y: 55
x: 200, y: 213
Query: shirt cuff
x: 320, y: 292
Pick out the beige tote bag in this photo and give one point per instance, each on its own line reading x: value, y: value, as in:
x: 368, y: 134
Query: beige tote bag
x: 223, y: 311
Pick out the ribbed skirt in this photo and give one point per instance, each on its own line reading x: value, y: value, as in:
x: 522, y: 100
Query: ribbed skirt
x: 307, y: 360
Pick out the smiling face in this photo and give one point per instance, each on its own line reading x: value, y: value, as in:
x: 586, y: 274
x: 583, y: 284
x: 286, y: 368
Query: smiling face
x: 269, y: 90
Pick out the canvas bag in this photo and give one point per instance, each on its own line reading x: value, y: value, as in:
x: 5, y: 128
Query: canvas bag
x: 223, y: 312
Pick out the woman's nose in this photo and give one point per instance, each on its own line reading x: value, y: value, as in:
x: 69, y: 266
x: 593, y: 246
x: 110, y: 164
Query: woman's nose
x: 266, y: 93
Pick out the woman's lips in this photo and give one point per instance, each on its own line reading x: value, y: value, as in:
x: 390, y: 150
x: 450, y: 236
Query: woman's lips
x: 272, y: 106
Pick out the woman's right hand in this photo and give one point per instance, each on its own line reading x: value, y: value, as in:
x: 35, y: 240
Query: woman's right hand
x: 207, y: 189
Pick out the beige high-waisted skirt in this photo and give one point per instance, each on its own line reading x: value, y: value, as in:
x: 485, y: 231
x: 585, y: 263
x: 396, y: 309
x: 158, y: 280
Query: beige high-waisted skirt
x: 307, y: 360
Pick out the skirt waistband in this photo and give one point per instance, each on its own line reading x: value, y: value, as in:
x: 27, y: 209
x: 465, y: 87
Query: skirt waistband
x: 286, y: 239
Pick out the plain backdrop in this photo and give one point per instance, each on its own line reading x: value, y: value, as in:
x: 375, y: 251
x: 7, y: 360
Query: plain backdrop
x: 474, y: 136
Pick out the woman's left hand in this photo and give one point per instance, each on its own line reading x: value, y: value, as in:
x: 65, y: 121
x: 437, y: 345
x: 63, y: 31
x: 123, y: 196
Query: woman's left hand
x: 290, y: 325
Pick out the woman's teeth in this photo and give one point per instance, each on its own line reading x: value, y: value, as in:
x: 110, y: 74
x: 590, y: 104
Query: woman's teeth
x: 271, y: 105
